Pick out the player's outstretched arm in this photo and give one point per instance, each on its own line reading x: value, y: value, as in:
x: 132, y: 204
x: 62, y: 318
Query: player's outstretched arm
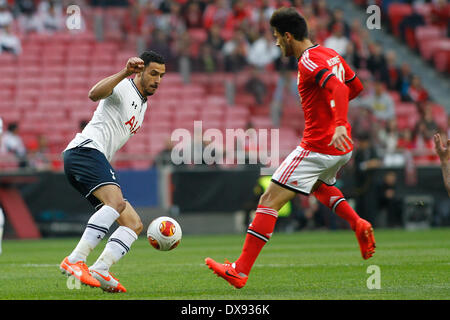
x: 104, y: 87
x: 340, y: 95
x: 444, y: 155
x: 355, y: 87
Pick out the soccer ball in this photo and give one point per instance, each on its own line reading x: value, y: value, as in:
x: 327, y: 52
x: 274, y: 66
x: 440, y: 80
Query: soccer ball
x: 164, y: 233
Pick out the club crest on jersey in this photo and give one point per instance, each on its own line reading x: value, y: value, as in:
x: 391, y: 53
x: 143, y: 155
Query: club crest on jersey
x: 133, y: 125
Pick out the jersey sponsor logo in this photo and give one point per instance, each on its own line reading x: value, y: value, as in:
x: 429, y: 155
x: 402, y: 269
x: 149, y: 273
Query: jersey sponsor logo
x: 133, y: 125
x: 112, y: 174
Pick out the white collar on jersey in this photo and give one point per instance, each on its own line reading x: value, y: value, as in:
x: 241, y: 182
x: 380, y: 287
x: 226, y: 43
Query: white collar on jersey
x: 312, y: 47
x: 137, y: 90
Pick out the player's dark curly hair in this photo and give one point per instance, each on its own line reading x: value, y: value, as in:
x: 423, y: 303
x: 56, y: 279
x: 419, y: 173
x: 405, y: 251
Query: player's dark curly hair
x: 151, y: 56
x: 289, y: 20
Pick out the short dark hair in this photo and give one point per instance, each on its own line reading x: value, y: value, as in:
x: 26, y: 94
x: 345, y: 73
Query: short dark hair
x: 151, y: 56
x: 289, y: 20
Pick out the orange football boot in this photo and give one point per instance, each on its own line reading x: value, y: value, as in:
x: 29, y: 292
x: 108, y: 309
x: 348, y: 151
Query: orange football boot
x: 80, y: 271
x: 108, y: 282
x: 366, y: 239
x: 226, y: 271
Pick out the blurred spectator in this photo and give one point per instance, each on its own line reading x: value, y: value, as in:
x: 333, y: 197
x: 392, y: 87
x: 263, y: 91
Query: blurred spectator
x: 240, y: 13
x: 337, y: 16
x: 352, y: 57
x: 423, y: 144
x: 235, y: 52
x: 13, y: 143
x: 50, y: 14
x: 37, y: 154
x: 164, y: 157
x: 380, y: 102
x: 376, y: 63
x: 405, y: 141
x: 285, y: 94
x: 192, y: 15
x: 391, y: 76
x: 416, y: 92
x: 442, y: 149
x: 404, y: 80
x: 27, y: 7
x: 286, y: 63
x: 216, y: 12
x: 215, y: 40
x: 366, y: 159
x: 181, y: 48
x: 160, y: 42
x: 256, y: 86
x: 427, y: 119
x: 363, y: 123
x: 390, y: 205
x: 388, y: 136
x: 172, y: 22
x: 28, y: 20
x: 410, y: 22
x: 6, y: 16
x: 337, y: 41
x: 359, y: 37
x: 261, y: 14
x: 440, y: 13
x: 263, y: 51
x: 9, y: 42
x: 321, y: 10
x: 206, y: 61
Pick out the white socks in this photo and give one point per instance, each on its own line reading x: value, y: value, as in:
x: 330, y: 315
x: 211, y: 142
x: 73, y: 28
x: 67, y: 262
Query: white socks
x: 97, y: 227
x: 118, y: 245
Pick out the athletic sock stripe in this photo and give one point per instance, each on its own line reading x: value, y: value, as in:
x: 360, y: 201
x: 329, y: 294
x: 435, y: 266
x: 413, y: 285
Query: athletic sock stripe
x: 266, y: 210
x: 121, y: 243
x: 269, y: 212
x: 98, y: 228
x: 336, y: 203
x: 258, y: 235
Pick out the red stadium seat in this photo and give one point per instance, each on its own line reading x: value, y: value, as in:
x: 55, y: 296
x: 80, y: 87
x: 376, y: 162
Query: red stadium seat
x: 439, y: 115
x: 397, y: 12
x: 405, y: 109
x: 441, y: 55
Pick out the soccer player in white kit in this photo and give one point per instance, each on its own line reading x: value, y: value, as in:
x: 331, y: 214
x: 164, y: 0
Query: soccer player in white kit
x: 119, y: 115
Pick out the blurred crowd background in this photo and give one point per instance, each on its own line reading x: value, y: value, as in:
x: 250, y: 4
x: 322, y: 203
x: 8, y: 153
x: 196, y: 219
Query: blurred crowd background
x: 223, y: 68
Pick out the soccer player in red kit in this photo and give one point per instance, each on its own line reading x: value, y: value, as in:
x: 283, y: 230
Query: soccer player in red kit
x: 326, y: 84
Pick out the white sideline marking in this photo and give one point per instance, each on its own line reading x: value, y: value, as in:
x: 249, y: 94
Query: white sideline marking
x: 38, y: 265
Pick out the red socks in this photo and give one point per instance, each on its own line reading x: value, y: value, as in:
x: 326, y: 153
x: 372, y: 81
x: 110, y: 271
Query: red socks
x: 262, y: 226
x: 258, y: 233
x: 333, y: 198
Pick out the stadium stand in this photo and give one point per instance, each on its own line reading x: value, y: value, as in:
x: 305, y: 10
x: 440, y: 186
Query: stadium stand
x: 45, y: 87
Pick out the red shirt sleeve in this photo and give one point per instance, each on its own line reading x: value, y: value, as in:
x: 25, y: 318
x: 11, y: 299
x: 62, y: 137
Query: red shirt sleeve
x: 314, y: 71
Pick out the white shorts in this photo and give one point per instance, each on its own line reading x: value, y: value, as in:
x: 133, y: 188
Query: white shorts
x: 302, y: 168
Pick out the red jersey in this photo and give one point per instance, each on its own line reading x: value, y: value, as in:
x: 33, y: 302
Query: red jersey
x: 316, y: 65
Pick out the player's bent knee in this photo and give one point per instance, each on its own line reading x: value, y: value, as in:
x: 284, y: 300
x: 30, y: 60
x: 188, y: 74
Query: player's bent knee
x: 268, y: 200
x: 136, y: 226
x: 118, y: 204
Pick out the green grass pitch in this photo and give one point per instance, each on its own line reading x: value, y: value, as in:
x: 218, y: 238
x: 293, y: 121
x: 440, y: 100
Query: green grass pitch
x: 305, y: 265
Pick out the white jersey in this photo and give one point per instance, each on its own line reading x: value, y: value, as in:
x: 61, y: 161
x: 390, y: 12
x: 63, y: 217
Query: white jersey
x: 116, y: 119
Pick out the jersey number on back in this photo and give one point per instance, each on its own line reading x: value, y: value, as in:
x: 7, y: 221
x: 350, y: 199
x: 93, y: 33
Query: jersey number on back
x: 339, y: 72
